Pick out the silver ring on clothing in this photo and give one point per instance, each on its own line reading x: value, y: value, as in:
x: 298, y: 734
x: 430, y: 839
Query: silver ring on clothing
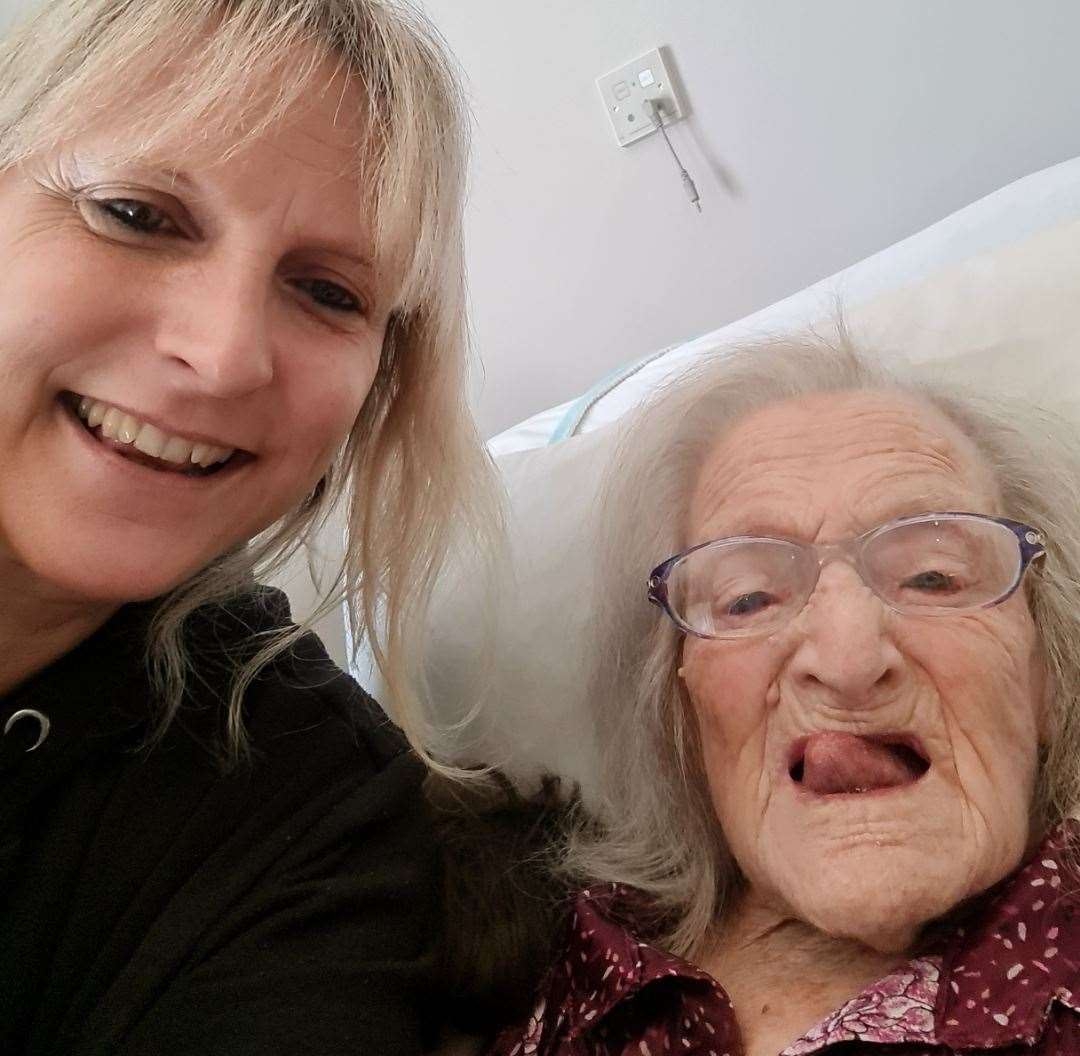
x: 30, y: 713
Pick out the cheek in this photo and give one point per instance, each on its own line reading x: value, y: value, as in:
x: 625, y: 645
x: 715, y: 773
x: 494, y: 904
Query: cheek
x: 324, y: 399
x: 1039, y: 678
x: 987, y: 674
x: 993, y: 667
x: 730, y: 688
x: 66, y: 315
x: 50, y: 313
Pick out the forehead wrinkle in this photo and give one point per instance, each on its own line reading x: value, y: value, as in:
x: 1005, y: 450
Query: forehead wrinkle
x: 306, y: 153
x: 923, y: 484
x: 758, y: 494
x: 860, y: 458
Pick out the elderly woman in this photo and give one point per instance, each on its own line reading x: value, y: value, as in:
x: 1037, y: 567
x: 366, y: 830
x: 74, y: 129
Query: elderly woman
x: 840, y: 749
x: 232, y: 297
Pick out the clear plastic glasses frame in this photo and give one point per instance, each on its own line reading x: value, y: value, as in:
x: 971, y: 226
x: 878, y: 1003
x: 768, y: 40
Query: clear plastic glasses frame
x: 1015, y: 546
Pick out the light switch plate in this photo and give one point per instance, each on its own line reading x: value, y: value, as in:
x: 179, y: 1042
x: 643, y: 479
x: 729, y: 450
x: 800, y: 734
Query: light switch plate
x: 625, y: 90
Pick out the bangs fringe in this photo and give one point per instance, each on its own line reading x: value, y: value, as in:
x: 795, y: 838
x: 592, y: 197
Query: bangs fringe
x: 215, y: 75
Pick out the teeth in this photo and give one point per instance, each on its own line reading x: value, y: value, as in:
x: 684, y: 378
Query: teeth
x: 110, y: 423
x: 128, y: 430
x: 151, y: 441
x: 177, y: 450
x: 207, y: 455
x: 116, y: 425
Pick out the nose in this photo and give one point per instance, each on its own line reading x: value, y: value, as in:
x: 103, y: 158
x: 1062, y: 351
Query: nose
x: 214, y: 325
x: 844, y: 649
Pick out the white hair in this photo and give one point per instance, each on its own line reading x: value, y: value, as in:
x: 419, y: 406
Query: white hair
x: 655, y: 827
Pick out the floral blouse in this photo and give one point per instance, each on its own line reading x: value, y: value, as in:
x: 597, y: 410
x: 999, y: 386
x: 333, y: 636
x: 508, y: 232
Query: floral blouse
x: 1003, y: 982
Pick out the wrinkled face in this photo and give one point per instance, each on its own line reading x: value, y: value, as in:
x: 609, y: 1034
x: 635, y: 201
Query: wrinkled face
x: 851, y: 688
x: 184, y: 344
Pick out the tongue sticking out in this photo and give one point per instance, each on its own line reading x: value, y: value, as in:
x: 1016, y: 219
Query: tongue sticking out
x: 843, y: 762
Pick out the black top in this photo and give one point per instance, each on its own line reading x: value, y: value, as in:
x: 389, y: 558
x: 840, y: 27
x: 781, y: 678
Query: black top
x: 151, y: 903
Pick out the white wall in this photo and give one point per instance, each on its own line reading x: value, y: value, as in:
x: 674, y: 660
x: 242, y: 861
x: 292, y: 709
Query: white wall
x: 821, y: 132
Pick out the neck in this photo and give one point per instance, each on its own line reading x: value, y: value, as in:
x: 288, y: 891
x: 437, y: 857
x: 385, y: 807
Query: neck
x: 783, y: 976
x: 38, y: 623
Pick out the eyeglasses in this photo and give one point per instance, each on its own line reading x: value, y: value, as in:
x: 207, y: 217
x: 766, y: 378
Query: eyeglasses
x: 934, y: 564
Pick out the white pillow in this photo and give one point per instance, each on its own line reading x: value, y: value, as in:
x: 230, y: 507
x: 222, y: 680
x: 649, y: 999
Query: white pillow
x: 1011, y: 314
x: 1010, y: 319
x: 529, y: 688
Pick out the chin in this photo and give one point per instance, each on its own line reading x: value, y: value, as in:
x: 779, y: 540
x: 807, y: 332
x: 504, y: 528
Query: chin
x: 112, y: 572
x: 880, y: 914
x: 118, y: 586
x: 880, y: 896
x: 877, y: 868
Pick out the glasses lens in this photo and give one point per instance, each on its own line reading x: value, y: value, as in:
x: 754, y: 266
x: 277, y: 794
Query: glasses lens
x: 736, y: 588
x: 943, y: 563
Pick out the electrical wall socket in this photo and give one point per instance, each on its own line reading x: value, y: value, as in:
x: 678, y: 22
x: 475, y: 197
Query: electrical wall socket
x: 625, y: 90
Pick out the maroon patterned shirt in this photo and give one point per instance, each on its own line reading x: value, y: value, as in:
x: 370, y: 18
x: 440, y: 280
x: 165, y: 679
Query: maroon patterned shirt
x: 1001, y: 983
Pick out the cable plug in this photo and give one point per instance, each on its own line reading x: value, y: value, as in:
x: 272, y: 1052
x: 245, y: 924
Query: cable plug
x: 654, y: 108
x: 691, y: 190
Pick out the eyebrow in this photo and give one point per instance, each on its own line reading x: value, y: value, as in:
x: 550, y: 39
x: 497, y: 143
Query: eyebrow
x: 146, y: 168
x: 177, y: 177
x: 931, y: 502
x: 757, y: 527
x: 350, y: 256
x: 324, y: 245
x: 778, y: 524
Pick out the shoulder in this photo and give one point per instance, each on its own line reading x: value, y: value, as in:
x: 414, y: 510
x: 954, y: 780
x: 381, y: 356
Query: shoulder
x: 329, y: 790
x: 601, y: 987
x: 1015, y: 956
x: 308, y: 722
x: 301, y: 897
x: 505, y: 903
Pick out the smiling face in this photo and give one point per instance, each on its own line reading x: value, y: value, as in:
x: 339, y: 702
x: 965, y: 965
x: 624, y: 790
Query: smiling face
x: 184, y: 345
x: 937, y: 716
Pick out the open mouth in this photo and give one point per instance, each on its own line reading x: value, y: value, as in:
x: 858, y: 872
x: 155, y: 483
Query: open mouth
x: 833, y: 763
x: 145, y: 445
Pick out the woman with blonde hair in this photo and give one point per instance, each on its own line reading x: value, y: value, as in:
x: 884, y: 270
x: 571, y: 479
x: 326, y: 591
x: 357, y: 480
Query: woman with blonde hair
x: 232, y: 300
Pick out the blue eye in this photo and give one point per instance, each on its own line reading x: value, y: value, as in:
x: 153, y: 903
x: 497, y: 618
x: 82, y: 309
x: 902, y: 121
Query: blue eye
x: 329, y: 295
x: 932, y: 581
x: 748, y: 604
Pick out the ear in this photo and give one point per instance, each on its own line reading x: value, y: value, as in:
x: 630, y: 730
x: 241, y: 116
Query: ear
x: 685, y: 647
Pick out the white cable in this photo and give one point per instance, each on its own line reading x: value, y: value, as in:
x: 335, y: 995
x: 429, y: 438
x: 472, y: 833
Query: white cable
x: 656, y: 111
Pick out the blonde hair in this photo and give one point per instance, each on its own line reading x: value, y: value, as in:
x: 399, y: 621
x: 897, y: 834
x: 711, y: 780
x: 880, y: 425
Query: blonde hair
x: 658, y: 830
x: 412, y: 470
